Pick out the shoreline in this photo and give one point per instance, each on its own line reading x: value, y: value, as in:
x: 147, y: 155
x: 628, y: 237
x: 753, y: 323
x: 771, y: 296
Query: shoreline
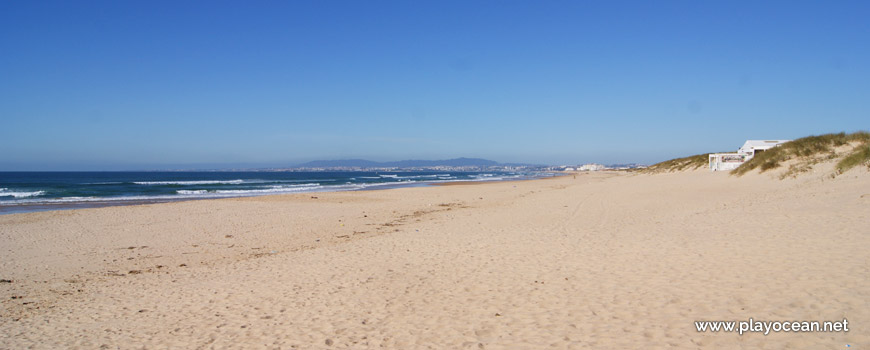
x: 10, y: 209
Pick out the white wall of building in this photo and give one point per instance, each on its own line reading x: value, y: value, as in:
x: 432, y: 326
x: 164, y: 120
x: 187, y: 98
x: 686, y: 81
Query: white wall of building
x: 730, y: 161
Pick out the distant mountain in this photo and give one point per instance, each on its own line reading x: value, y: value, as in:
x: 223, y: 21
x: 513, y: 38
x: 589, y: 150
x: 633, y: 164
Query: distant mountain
x: 362, y: 163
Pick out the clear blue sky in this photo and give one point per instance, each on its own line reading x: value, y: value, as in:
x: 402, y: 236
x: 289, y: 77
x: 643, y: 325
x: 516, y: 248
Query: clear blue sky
x: 90, y: 85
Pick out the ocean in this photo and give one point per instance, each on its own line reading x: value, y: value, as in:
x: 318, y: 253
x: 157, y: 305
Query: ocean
x: 37, y: 191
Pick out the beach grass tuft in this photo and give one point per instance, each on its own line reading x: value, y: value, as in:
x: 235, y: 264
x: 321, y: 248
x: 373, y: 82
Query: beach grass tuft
x: 861, y: 155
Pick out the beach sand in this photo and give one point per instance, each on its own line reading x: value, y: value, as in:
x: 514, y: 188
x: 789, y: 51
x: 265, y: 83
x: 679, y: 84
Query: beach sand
x: 605, y: 260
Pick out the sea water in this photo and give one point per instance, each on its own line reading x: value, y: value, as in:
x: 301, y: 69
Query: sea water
x: 35, y: 191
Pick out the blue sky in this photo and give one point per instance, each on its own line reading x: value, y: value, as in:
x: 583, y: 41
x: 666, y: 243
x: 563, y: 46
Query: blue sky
x: 184, y: 84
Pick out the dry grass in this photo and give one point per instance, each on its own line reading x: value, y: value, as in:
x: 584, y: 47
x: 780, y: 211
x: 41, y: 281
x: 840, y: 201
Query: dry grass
x: 679, y: 164
x: 810, y: 150
x: 860, y: 155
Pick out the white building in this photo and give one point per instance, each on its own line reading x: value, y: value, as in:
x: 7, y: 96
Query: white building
x: 730, y: 161
x: 591, y: 167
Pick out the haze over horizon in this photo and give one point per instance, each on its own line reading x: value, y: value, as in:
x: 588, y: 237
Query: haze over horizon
x: 165, y: 85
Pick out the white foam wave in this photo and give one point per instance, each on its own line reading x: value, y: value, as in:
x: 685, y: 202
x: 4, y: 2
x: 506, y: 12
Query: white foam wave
x: 261, y: 181
x: 197, y: 182
x: 269, y: 190
x: 4, y: 192
x: 360, y: 186
x: 191, y: 191
x: 300, y: 185
x: 63, y: 200
x: 417, y: 177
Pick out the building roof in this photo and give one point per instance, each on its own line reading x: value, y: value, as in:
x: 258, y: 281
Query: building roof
x: 761, y: 144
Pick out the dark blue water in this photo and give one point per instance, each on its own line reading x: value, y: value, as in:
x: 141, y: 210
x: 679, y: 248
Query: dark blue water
x: 33, y: 191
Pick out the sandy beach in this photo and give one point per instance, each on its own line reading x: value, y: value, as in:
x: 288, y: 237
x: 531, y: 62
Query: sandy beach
x: 605, y: 260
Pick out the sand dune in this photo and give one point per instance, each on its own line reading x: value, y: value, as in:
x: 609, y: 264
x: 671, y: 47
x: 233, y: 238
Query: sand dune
x: 603, y: 260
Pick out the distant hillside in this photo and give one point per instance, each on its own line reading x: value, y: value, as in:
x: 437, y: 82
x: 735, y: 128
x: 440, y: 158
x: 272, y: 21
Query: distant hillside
x: 362, y: 163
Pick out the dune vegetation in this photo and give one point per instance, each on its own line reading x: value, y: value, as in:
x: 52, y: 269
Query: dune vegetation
x: 811, y: 150
x: 850, y: 150
x: 679, y: 164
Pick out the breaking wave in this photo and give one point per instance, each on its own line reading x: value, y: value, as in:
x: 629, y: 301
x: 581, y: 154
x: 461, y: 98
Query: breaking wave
x: 4, y: 192
x: 197, y: 182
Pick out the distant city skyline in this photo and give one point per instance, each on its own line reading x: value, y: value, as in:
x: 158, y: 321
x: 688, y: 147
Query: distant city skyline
x: 108, y: 85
